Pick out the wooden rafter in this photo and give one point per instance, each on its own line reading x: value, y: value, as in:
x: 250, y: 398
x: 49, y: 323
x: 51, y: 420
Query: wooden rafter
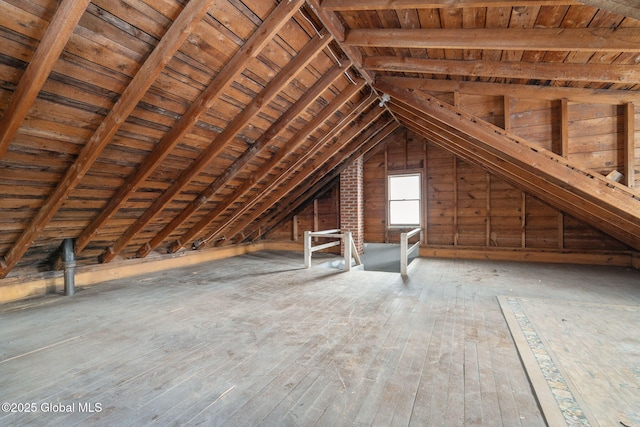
x: 542, y: 39
x: 184, y: 125
x: 607, y: 205
x: 608, y: 73
x: 294, y: 143
x: 274, y: 130
x: 359, y: 146
x: 286, y: 75
x: 328, y: 168
x: 353, y: 5
x: 517, y: 90
x: 333, y: 24
x: 144, y: 78
x: 629, y: 144
x: 46, y: 55
x: 302, y: 174
x: 267, y: 30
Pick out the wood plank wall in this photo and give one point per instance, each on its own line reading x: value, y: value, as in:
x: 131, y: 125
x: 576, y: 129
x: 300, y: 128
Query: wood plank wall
x: 322, y: 213
x: 468, y: 207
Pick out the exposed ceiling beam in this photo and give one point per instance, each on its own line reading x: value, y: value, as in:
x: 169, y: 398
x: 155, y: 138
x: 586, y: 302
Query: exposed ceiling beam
x: 259, y: 39
x: 284, y: 77
x: 46, y: 55
x: 175, y: 36
x: 629, y: 8
x: 543, y: 39
x: 600, y: 96
x: 353, y: 5
x: 264, y: 203
x: 333, y: 24
x: 603, y: 203
x: 291, y: 146
x: 189, y: 119
x: 608, y: 73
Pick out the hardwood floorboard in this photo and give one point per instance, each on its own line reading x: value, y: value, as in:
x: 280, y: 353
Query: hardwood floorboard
x: 382, y: 364
x: 421, y: 325
x: 472, y: 406
x: 430, y: 383
x: 395, y: 363
x: 259, y: 340
x: 489, y: 405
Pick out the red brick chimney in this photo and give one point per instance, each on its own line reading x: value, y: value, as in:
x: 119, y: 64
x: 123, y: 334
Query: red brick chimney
x: 352, y: 202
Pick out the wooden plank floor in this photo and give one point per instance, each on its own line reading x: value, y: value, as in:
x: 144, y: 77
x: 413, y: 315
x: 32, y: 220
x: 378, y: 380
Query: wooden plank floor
x: 258, y: 340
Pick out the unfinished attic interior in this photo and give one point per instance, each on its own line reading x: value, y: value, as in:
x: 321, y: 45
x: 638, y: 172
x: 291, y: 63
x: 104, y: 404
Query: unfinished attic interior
x: 174, y: 153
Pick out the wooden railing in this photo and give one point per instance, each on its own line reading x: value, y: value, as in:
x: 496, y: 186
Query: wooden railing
x: 405, y: 250
x: 346, y: 237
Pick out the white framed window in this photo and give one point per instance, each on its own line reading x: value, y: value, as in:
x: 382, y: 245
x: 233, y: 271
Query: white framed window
x: 404, y: 200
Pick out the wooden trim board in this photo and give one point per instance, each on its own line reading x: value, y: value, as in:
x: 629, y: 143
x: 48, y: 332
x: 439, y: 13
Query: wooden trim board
x: 618, y: 259
x: 19, y: 288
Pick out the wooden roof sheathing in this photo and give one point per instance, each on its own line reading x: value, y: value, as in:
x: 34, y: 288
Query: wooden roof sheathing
x: 134, y: 126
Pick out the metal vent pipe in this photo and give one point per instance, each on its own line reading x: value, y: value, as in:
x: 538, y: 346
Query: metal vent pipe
x: 69, y: 266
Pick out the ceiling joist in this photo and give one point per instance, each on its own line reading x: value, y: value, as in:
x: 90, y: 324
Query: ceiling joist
x: 606, y: 73
x: 355, y: 5
x: 332, y: 23
x: 551, y: 93
x: 538, y: 39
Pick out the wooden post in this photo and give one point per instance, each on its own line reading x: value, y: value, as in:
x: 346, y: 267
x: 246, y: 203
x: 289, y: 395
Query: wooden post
x: 507, y: 113
x: 564, y: 128
x: 406, y: 149
x: 404, y: 243
x: 425, y: 191
x: 564, y: 152
x: 488, y: 217
x: 386, y: 192
x: 455, y: 201
x: 295, y: 228
x: 307, y: 249
x: 560, y: 230
x: 523, y: 242
x: 629, y: 144
x: 346, y: 240
x: 315, y: 216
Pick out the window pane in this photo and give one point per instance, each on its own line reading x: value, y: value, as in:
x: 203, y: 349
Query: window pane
x: 405, y: 212
x: 404, y: 187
